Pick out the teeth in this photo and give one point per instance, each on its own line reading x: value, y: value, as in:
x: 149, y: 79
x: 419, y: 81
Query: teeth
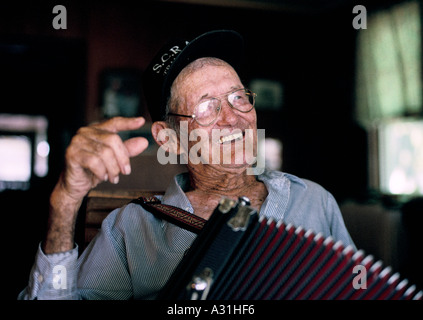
x: 235, y: 136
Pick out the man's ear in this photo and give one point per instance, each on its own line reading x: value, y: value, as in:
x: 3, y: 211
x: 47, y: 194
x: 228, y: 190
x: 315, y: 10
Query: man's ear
x: 165, y: 137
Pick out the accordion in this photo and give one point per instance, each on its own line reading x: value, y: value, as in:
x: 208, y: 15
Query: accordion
x: 241, y: 256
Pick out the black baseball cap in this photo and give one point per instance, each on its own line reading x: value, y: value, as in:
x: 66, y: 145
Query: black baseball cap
x: 227, y: 45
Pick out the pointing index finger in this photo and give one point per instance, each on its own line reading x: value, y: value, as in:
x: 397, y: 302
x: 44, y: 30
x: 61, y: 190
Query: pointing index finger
x: 118, y: 124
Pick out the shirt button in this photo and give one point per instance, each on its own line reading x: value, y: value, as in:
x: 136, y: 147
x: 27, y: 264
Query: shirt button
x: 40, y: 278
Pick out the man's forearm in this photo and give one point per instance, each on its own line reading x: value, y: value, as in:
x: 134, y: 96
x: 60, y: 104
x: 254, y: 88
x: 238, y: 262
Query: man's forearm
x: 61, y: 222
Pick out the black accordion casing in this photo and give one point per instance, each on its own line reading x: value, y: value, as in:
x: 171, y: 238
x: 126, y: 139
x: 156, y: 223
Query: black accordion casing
x: 241, y: 256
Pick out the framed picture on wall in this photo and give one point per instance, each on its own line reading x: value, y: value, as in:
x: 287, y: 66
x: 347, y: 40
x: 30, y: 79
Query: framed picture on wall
x: 269, y: 94
x: 120, y: 93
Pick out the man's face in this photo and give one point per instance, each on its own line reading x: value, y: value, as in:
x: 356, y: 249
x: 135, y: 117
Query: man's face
x: 214, y: 81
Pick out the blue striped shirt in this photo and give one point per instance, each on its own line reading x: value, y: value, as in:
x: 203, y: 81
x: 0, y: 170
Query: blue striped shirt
x: 135, y: 253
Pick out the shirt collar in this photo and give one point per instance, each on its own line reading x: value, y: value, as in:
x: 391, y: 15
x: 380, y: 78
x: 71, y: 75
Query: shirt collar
x: 277, y: 183
x: 175, y: 193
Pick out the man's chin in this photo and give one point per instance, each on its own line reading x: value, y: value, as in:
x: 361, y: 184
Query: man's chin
x: 235, y: 168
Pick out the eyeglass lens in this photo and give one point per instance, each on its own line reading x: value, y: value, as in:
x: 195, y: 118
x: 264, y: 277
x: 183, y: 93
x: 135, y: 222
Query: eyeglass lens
x: 208, y: 110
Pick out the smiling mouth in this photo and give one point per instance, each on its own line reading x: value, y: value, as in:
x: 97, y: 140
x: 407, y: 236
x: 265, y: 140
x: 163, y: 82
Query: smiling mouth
x: 231, y: 137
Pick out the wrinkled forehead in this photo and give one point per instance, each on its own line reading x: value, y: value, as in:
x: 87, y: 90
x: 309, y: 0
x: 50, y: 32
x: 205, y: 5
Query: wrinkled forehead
x: 204, y: 72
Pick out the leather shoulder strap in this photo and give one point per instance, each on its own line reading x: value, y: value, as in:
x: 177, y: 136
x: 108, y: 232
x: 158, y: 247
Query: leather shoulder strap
x: 175, y: 215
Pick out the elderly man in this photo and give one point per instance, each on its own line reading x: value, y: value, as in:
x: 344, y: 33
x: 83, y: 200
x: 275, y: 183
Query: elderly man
x: 188, y: 85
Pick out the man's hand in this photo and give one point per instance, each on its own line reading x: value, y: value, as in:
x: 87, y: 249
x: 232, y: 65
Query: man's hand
x: 95, y: 154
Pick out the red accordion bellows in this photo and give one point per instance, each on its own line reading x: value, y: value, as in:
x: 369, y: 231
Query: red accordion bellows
x: 241, y: 256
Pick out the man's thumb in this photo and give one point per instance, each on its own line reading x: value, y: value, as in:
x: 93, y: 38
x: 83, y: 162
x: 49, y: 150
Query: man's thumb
x: 136, y: 145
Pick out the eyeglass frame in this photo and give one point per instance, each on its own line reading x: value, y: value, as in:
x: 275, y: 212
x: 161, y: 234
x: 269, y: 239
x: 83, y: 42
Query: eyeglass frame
x: 248, y: 92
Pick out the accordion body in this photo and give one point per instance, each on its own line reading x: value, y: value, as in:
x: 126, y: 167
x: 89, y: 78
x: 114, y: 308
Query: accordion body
x: 241, y: 256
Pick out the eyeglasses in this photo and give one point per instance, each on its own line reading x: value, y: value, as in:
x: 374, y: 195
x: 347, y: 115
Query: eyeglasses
x: 207, y: 111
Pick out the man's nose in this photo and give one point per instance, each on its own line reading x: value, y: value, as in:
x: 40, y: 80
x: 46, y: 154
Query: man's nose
x: 228, y: 115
